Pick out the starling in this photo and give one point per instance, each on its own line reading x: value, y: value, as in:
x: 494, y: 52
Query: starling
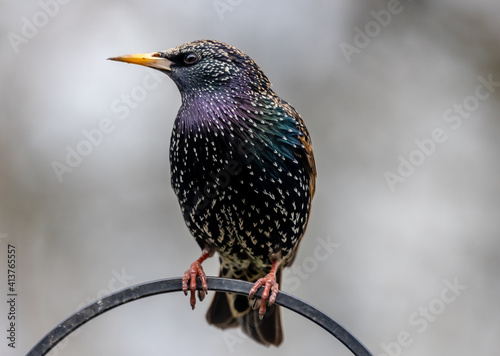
x: 243, y: 170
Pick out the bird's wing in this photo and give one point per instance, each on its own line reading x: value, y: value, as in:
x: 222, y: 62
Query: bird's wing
x: 306, y: 152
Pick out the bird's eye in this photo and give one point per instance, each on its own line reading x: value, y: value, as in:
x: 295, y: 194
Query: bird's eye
x: 190, y: 58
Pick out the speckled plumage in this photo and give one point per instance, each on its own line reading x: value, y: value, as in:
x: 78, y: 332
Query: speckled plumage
x: 243, y: 170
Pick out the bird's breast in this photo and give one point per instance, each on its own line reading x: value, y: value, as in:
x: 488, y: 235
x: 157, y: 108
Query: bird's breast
x: 238, y: 189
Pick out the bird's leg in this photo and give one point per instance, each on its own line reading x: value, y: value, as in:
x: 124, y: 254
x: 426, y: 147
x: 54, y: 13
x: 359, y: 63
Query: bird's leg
x: 196, y: 271
x: 270, y: 285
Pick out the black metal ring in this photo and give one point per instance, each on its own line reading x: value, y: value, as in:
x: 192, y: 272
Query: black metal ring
x: 174, y: 285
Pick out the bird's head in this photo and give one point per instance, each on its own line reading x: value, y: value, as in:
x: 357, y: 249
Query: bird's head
x: 205, y: 66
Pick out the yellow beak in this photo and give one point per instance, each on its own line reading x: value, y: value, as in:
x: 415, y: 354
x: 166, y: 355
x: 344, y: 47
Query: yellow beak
x: 152, y: 60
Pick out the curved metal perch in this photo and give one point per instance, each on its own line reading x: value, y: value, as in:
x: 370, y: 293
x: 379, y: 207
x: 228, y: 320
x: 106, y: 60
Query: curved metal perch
x: 174, y: 285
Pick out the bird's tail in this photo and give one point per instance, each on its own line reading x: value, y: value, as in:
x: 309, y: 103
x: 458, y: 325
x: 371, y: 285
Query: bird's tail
x: 229, y: 310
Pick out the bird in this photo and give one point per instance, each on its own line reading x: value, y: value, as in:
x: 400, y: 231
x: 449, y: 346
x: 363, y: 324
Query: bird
x: 243, y: 170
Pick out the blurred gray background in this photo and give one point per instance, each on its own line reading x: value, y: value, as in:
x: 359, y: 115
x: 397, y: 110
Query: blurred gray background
x: 412, y: 266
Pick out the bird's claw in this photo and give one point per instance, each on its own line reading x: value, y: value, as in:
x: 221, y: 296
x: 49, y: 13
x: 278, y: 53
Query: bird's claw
x: 190, y: 276
x: 268, y: 297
